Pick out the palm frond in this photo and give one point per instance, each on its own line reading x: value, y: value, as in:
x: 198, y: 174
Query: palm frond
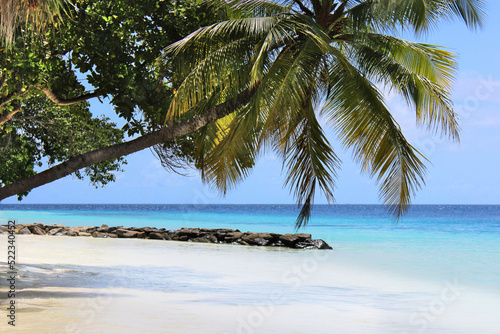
x: 472, y: 12
x: 228, y: 149
x: 363, y: 123
x: 309, y: 160
x: 421, y: 73
x: 419, y: 15
x: 219, y: 70
x: 245, y: 8
x: 37, y: 13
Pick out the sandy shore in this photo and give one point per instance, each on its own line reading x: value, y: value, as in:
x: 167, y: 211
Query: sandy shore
x: 90, y: 285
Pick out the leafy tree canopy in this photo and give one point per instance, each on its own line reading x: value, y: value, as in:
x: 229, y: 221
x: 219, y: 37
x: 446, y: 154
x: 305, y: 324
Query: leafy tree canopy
x: 114, y: 47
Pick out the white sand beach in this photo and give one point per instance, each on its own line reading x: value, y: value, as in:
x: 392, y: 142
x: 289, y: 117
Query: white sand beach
x: 87, y: 285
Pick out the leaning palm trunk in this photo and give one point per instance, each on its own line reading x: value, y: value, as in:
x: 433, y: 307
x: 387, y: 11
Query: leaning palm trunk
x: 123, y: 149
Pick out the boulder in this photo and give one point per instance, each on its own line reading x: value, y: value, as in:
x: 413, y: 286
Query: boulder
x: 37, y: 230
x: 289, y: 240
x: 90, y: 229
x: 321, y: 244
x: 24, y: 230
x: 208, y: 238
x: 157, y: 236
x: 258, y: 239
x: 122, y: 233
x: 180, y: 237
x: 232, y: 236
x: 303, y: 236
x: 84, y: 234
x: 190, y: 233
x: 103, y: 229
x: 147, y: 229
x: 55, y: 230
x: 312, y: 244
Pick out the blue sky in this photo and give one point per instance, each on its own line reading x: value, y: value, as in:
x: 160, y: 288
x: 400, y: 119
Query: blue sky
x: 465, y: 173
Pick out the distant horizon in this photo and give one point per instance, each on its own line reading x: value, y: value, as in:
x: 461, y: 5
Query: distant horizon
x: 294, y: 204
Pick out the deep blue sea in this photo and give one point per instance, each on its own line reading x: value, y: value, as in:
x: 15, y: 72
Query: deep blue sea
x: 405, y: 267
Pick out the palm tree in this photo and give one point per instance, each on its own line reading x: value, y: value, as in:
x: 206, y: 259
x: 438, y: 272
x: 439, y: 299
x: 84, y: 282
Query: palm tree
x: 296, y: 60
x: 37, y: 13
x: 259, y: 79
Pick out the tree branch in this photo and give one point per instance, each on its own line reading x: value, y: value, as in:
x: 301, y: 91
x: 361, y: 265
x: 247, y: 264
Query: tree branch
x: 5, y: 118
x: 6, y: 99
x: 304, y: 8
x: 135, y: 145
x: 67, y: 102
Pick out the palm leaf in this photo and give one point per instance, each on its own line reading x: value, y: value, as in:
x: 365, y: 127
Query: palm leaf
x: 421, y: 73
x: 363, y: 123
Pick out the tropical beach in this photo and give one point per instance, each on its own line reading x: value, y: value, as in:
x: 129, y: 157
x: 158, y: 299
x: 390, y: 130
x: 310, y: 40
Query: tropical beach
x: 437, y: 276
x: 365, y: 133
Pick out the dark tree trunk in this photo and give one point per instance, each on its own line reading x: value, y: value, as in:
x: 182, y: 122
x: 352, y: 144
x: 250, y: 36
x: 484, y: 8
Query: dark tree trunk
x: 123, y: 149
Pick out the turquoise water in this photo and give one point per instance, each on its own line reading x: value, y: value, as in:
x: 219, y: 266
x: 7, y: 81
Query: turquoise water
x: 378, y: 266
x: 442, y: 239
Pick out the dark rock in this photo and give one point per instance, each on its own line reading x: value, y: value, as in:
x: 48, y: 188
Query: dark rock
x: 321, y: 244
x: 312, y: 244
x: 180, y: 237
x: 278, y: 243
x: 103, y: 229
x: 37, y: 230
x: 23, y: 230
x: 190, y: 233
x: 225, y: 230
x: 203, y: 235
x: 258, y: 239
x: 232, y: 236
x: 123, y: 233
x: 289, y: 240
x: 55, y: 230
x: 209, y: 238
x: 157, y: 236
x: 90, y: 229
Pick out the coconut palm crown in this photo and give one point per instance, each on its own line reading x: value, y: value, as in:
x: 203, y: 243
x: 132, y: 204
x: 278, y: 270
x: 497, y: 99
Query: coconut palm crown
x: 37, y: 13
x: 301, y: 59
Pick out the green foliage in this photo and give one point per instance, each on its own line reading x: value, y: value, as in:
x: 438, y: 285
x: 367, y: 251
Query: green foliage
x: 318, y: 57
x: 45, y: 133
x: 109, y: 48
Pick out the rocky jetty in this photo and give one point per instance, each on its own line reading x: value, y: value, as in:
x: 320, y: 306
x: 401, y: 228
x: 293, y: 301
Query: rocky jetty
x: 205, y: 235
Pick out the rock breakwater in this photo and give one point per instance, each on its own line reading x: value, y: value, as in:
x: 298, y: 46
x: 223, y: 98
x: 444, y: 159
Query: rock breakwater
x: 203, y: 235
